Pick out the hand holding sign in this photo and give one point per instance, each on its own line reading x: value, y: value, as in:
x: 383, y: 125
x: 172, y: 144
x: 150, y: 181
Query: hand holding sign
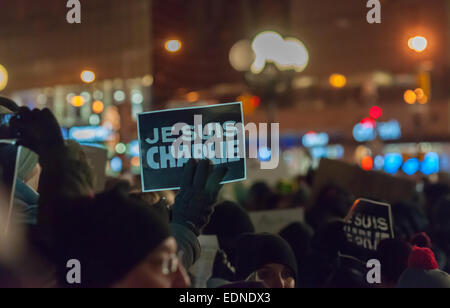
x: 200, y: 186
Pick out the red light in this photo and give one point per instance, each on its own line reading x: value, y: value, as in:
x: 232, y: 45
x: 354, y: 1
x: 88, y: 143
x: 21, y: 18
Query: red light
x: 255, y: 101
x: 367, y: 163
x: 376, y: 112
x: 368, y: 122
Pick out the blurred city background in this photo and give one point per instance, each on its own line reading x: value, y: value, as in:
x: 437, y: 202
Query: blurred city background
x: 375, y: 95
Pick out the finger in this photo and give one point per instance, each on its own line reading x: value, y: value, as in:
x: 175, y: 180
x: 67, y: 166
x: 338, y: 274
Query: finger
x: 48, y: 116
x: 23, y: 113
x: 216, y: 177
x: 201, y: 174
x: 188, y: 173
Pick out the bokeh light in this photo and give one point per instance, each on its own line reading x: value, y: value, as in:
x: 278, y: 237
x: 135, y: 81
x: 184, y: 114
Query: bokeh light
x: 3, y: 77
x: 119, y: 96
x: 241, y: 56
x: 94, y: 119
x: 77, y: 101
x: 116, y: 164
x: 410, y: 97
x: 173, y: 46
x: 87, y: 76
x: 392, y: 162
x: 367, y: 163
x: 286, y: 54
x: 135, y: 161
x: 192, y: 97
x: 418, y: 43
x: 121, y: 148
x: 375, y: 112
x: 98, y: 107
x: 411, y: 166
x: 338, y: 81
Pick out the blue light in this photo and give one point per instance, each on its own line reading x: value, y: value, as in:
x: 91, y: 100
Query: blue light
x: 363, y: 133
x: 264, y: 154
x: 379, y: 162
x: 116, y: 164
x: 133, y: 148
x: 90, y: 134
x: 313, y: 140
x: 319, y: 152
x: 392, y: 162
x: 389, y: 130
x: 430, y: 164
x: 411, y: 166
x: 335, y: 151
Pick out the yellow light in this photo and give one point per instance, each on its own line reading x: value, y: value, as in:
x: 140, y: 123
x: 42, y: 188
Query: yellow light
x: 3, y: 77
x: 410, y: 97
x: 135, y: 161
x: 192, y: 97
x: 423, y: 100
x: 98, y: 107
x: 418, y: 43
x: 147, y: 80
x: 173, y: 46
x: 338, y: 81
x: 419, y: 93
x: 77, y: 101
x: 88, y: 76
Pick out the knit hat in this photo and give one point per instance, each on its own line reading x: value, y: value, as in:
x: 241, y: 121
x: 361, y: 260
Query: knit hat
x: 423, y: 271
x: 109, y: 235
x: 299, y: 236
x: 256, y: 250
x: 229, y: 220
x: 393, y: 255
x: 421, y: 240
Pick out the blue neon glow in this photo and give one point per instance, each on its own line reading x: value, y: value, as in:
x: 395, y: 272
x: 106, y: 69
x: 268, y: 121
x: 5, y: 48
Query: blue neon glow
x: 319, y: 152
x: 264, y: 154
x: 116, y: 164
x: 430, y: 165
x: 411, y: 166
x: 379, y: 162
x: 335, y: 151
x: 90, y: 134
x: 313, y: 140
x: 363, y: 133
x: 385, y: 130
x: 389, y: 130
x: 133, y: 148
x: 392, y: 162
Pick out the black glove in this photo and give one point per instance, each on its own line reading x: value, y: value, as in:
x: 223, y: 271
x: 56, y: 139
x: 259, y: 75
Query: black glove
x: 38, y: 130
x: 200, y: 186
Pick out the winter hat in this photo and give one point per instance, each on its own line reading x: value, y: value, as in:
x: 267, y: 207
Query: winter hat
x: 421, y: 240
x: 256, y: 250
x: 299, y: 236
x: 109, y: 235
x: 229, y: 220
x: 393, y: 255
x: 423, y: 271
x: 330, y: 239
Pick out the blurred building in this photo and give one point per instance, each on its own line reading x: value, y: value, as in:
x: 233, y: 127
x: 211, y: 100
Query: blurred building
x: 353, y: 67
